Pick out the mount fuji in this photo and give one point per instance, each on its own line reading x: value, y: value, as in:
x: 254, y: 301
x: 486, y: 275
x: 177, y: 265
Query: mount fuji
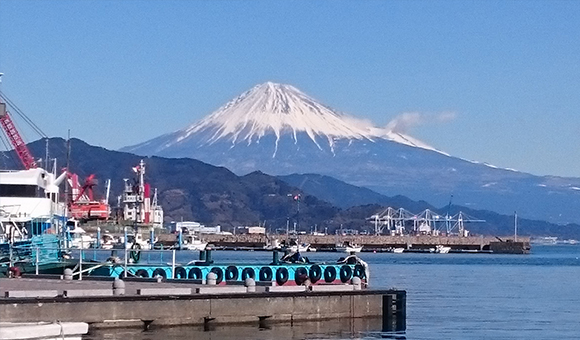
x: 278, y: 129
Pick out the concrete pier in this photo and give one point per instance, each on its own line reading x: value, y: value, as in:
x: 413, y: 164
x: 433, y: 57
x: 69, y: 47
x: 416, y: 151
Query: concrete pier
x: 374, y: 242
x: 204, y: 308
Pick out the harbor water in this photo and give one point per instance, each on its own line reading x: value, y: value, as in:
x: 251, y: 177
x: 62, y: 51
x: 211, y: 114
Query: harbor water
x: 449, y: 296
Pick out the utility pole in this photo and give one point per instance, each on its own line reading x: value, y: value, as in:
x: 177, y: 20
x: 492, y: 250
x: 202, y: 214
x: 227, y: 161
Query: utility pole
x: 515, y: 226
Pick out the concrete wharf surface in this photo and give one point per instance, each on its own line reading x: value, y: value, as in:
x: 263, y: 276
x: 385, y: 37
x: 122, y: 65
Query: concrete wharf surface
x: 204, y: 309
x: 32, y: 284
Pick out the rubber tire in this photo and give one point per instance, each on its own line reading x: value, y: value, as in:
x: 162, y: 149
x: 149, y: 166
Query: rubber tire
x: 159, y: 271
x: 142, y: 273
x: 248, y: 273
x: 329, y: 274
x: 180, y: 273
x: 266, y: 274
x: 282, y: 276
x: 345, y: 273
x: 300, y: 275
x: 232, y: 273
x: 220, y: 274
x: 315, y: 273
x: 195, y: 274
x: 359, y: 271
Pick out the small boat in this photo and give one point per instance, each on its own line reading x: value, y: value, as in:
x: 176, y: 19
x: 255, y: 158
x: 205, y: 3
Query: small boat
x: 77, y: 237
x: 43, y: 330
x: 192, y: 242
x: 301, y: 248
x: 108, y: 241
x: 272, y: 244
x: 133, y: 241
x: 442, y: 249
x: 348, y: 247
x: 398, y: 250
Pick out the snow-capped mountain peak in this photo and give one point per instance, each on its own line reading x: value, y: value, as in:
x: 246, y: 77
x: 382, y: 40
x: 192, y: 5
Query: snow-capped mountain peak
x: 273, y: 108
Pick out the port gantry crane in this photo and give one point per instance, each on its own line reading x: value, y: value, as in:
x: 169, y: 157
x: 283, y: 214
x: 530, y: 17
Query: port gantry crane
x: 396, y: 220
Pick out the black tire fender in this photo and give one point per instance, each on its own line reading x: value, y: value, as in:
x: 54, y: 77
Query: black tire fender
x: 232, y: 273
x: 345, y: 273
x: 142, y: 273
x: 195, y: 274
x: 248, y: 273
x: 220, y: 274
x: 159, y: 272
x: 315, y: 273
x: 180, y: 273
x: 329, y: 274
x: 281, y: 276
x: 359, y: 271
x: 266, y: 274
x: 300, y: 275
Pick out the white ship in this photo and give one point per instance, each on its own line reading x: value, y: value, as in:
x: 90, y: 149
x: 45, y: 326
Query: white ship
x: 29, y: 199
x: 348, y: 247
x: 192, y: 242
x: 29, y: 203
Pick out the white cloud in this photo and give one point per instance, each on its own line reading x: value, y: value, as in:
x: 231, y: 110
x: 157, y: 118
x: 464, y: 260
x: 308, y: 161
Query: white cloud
x: 405, y: 121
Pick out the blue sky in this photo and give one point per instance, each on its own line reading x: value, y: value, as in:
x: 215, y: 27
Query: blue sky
x: 120, y: 72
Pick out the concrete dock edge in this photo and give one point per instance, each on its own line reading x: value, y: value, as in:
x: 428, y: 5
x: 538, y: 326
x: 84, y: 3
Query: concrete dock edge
x: 199, y: 309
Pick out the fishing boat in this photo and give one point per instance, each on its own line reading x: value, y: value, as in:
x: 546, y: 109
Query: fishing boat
x: 289, y: 269
x: 43, y: 330
x: 31, y: 219
x: 302, y: 247
x: 192, y: 242
x: 440, y: 249
x: 77, y: 237
x: 348, y: 247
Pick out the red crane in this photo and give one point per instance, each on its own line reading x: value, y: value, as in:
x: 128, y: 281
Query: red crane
x: 15, y: 138
x: 82, y: 205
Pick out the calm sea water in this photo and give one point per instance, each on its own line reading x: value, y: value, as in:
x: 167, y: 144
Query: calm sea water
x: 449, y: 296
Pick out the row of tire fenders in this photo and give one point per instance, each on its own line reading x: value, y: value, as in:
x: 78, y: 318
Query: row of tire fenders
x: 315, y: 273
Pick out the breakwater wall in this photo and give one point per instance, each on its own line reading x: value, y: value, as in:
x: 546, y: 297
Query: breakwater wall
x: 374, y: 242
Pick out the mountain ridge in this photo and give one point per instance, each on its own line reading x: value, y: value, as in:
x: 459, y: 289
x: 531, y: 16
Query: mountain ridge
x: 381, y: 164
x: 194, y: 190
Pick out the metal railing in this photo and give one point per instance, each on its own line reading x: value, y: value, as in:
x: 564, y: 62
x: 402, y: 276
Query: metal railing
x: 39, y: 254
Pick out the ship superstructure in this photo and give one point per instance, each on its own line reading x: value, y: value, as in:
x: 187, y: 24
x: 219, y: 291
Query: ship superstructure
x: 29, y: 199
x: 29, y: 196
x: 138, y: 205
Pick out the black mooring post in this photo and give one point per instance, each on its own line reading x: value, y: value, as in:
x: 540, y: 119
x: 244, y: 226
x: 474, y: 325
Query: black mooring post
x: 395, y: 311
x: 401, y: 305
x: 208, y: 259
